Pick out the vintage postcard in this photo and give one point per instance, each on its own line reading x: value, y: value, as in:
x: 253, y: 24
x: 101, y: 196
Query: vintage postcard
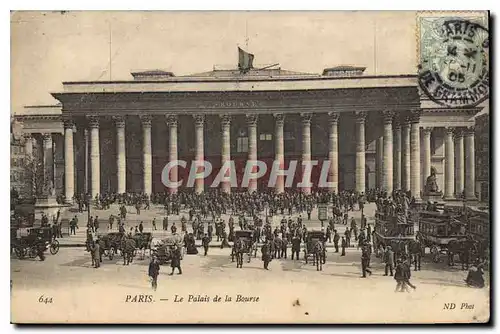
x: 250, y: 167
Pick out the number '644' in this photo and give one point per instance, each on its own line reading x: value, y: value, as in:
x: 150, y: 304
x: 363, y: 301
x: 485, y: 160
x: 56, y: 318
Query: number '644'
x: 45, y: 300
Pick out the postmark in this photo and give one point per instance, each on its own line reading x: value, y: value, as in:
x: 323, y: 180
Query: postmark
x: 454, y: 60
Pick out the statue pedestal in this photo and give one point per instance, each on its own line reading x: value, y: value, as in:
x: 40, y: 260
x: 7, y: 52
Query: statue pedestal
x: 47, y: 204
x: 433, y: 196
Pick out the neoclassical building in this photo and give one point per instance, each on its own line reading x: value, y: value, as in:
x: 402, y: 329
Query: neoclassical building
x: 378, y: 131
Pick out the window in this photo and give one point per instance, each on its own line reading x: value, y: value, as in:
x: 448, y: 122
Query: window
x: 242, y: 145
x: 266, y: 136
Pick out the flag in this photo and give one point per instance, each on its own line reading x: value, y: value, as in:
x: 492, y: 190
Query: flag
x: 245, y: 60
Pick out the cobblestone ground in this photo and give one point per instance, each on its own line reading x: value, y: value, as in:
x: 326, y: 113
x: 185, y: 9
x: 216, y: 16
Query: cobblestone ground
x: 289, y: 291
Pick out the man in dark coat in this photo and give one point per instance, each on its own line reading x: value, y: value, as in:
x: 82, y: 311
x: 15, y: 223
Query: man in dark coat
x: 153, y: 272
x: 205, y: 241
x: 96, y: 254
x: 365, y: 259
x: 343, y: 245
x: 173, y: 228
x: 296, y: 247
x: 176, y: 260
x: 389, y: 260
x: 266, y: 254
x: 336, y: 238
x: 141, y: 227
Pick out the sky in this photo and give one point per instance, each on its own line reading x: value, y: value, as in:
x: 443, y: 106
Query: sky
x: 48, y: 48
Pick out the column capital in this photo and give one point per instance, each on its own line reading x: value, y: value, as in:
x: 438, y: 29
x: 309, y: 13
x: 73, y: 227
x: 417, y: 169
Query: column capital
x: 252, y: 119
x: 172, y: 120
x: 199, y: 120
x: 145, y: 121
x: 449, y: 130
x: 415, y: 116
x: 279, y: 119
x: 68, y: 123
x: 225, y: 120
x: 360, y: 116
x: 333, y: 117
x: 427, y: 130
x: 119, y: 121
x: 388, y: 116
x: 469, y: 130
x: 458, y: 133
x: 93, y: 122
x: 306, y: 117
x: 47, y: 137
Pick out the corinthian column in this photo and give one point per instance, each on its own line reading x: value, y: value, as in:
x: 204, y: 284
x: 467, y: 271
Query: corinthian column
x: 449, y: 161
x: 199, y: 121
x: 147, y: 159
x: 406, y: 155
x: 121, y: 158
x: 333, y: 153
x: 279, y: 150
x: 69, y: 162
x: 460, y: 170
x: 415, y: 178
x: 388, y: 152
x: 172, y: 151
x: 470, y: 169
x: 426, y: 163
x: 306, y: 149
x: 397, y: 155
x: 360, y: 151
x: 28, y: 145
x: 226, y: 149
x: 252, y: 148
x: 48, y: 163
x: 95, y: 155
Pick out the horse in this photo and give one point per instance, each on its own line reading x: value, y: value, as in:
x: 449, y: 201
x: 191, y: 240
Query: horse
x: 238, y: 250
x: 416, y: 251
x: 319, y: 256
x: 143, y: 242
x: 128, y: 248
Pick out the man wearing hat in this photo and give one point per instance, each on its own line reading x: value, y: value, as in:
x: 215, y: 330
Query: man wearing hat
x: 389, y: 260
x: 154, y: 270
x: 176, y: 260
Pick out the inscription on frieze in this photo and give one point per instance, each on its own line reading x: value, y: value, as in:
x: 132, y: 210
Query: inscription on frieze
x: 230, y: 104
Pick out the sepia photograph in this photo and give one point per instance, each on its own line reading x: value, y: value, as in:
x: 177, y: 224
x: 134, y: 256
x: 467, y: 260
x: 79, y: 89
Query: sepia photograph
x: 250, y: 167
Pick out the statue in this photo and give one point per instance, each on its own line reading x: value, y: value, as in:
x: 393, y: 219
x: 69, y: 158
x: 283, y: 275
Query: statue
x: 431, y: 186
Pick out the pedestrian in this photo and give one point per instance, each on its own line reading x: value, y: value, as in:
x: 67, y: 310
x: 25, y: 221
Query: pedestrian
x: 343, y: 245
x: 205, y: 241
x: 154, y: 224
x: 141, y: 227
x: 95, y: 254
x: 399, y: 276
x: 347, y: 237
x: 173, y: 228
x: 389, y: 260
x: 153, y: 272
x: 176, y: 260
x: 336, y: 239
x: 407, y: 274
x: 266, y: 254
x: 165, y: 223
x: 365, y: 257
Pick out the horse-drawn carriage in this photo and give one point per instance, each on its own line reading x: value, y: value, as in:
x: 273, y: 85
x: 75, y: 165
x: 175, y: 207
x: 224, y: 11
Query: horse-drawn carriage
x: 398, y: 232
x: 26, y: 241
x: 143, y: 243
x: 163, y: 249
x: 110, y: 244
x: 243, y: 244
x: 315, y: 248
x: 442, y: 232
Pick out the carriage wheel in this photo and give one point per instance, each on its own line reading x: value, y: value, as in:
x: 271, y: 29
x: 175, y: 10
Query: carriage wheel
x: 32, y: 252
x: 54, y: 247
x: 435, y: 254
x: 111, y: 253
x: 20, y: 252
